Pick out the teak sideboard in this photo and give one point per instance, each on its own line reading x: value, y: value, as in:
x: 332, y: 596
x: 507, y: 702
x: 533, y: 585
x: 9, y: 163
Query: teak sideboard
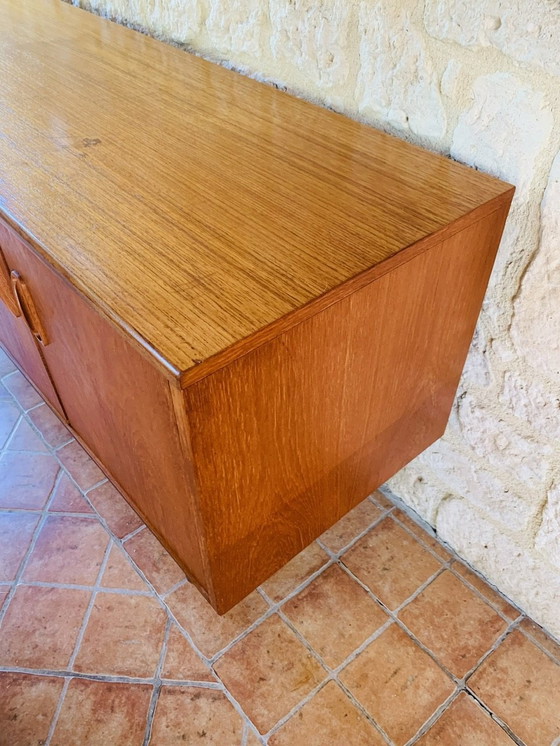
x: 250, y: 310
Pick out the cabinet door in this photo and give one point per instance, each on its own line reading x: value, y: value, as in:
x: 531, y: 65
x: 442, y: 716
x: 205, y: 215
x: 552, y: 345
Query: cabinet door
x: 119, y: 404
x: 15, y: 315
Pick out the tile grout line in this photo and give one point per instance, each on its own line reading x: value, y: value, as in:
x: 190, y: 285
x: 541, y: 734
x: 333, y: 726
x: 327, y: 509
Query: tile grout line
x: 38, y: 511
x: 449, y: 565
x: 385, y: 513
x: 11, y: 434
x: 460, y: 683
x: 359, y: 706
x: 241, y: 636
x: 434, y: 717
x: 338, y: 559
x: 421, y: 540
x: 400, y: 623
x: 25, y: 416
x: 273, y: 607
x: 498, y: 720
x: 87, y: 613
x: 61, y: 445
x: 109, y: 678
x: 362, y: 646
x: 100, y: 483
x: 463, y: 686
x: 174, y: 588
x: 288, y: 622
x: 262, y: 618
x: 394, y: 613
x: 332, y: 673
x: 480, y: 595
x: 178, y: 683
x: 82, y: 587
x: 133, y: 533
x: 554, y: 658
x: 119, y: 542
x: 216, y: 685
x: 77, y: 644
x: 295, y: 709
x: 157, y: 684
x: 392, y: 618
x: 240, y: 711
x: 152, y: 592
x: 34, y: 538
x: 58, y: 710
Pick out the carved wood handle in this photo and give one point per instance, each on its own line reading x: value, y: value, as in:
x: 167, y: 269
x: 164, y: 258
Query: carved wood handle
x: 26, y: 307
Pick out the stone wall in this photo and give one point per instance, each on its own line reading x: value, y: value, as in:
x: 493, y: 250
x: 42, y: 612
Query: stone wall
x: 481, y: 81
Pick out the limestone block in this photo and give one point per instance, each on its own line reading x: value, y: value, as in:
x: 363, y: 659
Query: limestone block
x: 504, y: 130
x: 503, y: 133
x: 527, y: 30
x: 477, y: 366
x: 235, y: 27
x: 311, y: 41
x: 535, y: 329
x: 526, y: 459
x: 470, y: 479
x: 397, y: 82
x: 532, y: 402
x: 451, y: 78
x: 548, y: 535
x: 166, y: 19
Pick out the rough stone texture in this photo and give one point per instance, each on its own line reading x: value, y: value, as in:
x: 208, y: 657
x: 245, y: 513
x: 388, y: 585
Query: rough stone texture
x: 526, y: 31
x: 536, y: 324
x: 534, y: 404
x: 491, y: 438
x: 397, y: 83
x: 504, y: 129
x: 549, y: 531
x: 168, y: 20
x: 491, y: 495
x: 235, y: 26
x: 503, y: 132
x: 309, y: 40
x: 477, y: 81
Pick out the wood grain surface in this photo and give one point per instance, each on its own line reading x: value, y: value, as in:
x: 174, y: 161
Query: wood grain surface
x: 15, y: 333
x: 120, y: 406
x: 193, y: 206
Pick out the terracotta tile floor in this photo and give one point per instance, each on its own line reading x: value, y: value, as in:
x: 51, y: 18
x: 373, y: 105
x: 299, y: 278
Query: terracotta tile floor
x: 376, y: 634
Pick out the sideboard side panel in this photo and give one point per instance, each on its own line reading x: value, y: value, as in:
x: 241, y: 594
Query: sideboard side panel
x: 290, y: 437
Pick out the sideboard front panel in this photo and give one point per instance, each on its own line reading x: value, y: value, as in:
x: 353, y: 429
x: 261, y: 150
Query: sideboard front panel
x: 15, y: 334
x: 120, y: 406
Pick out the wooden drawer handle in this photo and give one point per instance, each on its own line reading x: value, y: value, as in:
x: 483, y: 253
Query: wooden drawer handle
x: 6, y: 293
x: 26, y: 307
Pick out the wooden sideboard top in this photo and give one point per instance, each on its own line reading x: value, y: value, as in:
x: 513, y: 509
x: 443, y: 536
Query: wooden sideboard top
x: 201, y: 210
